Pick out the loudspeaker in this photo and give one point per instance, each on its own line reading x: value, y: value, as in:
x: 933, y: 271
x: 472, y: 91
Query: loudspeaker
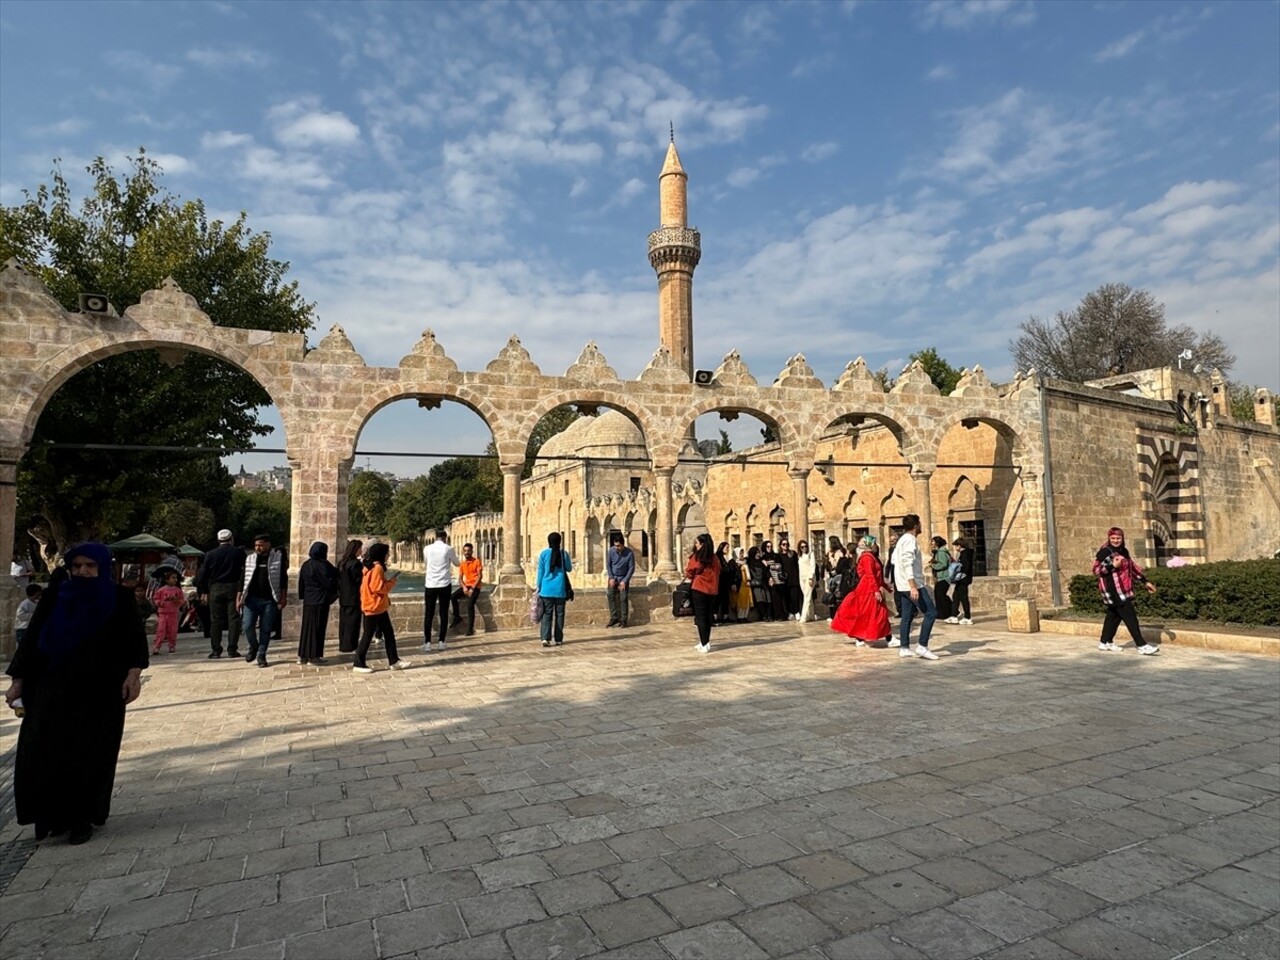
x: 703, y: 378
x: 94, y: 303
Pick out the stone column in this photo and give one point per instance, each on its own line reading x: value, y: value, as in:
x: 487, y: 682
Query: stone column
x: 511, y: 543
x: 10, y: 593
x: 800, y: 497
x: 319, y: 503
x: 665, y: 568
x: 924, y: 504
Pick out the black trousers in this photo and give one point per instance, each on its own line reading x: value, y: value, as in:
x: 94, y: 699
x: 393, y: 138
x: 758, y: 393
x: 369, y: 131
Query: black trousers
x: 377, y: 623
x: 940, y: 598
x: 1121, y: 613
x: 470, y: 601
x: 960, y: 600
x: 223, y: 616
x: 704, y: 608
x: 431, y: 597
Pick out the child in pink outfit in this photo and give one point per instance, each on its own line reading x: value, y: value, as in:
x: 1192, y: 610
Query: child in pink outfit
x: 169, y: 601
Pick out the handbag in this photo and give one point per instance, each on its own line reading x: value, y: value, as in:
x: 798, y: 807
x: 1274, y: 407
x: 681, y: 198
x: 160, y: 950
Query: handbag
x: 535, y: 609
x: 568, y: 588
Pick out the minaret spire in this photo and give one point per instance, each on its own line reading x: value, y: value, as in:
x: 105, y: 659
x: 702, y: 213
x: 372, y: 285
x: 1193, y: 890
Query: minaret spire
x: 674, y: 251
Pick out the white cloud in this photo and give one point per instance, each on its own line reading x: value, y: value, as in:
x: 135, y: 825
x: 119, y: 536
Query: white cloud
x: 141, y: 67
x: 300, y: 123
x: 943, y: 71
x: 969, y: 14
x: 224, y: 57
x: 1118, y: 49
x: 223, y: 140
x: 819, y: 151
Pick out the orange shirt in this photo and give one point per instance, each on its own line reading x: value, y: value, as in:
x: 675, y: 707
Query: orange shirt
x: 705, y: 579
x: 375, y: 590
x: 469, y: 572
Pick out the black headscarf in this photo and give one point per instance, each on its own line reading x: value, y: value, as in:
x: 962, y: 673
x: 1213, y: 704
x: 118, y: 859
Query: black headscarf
x: 318, y: 578
x: 82, y: 605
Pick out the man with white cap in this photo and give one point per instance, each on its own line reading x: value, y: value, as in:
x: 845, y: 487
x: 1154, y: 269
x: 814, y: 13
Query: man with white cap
x: 219, y: 578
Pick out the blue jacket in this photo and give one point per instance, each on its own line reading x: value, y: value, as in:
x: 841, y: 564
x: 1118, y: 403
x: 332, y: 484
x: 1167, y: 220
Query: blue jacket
x: 620, y: 566
x: 553, y: 583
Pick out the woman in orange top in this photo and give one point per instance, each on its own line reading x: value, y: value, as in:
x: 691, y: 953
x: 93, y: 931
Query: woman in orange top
x: 375, y: 601
x: 703, y: 569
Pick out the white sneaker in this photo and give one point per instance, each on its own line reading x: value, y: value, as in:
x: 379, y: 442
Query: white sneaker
x: 953, y: 619
x: 702, y: 647
x: 895, y: 642
x: 362, y: 669
x: 402, y: 664
x: 905, y: 652
x: 859, y: 643
x: 966, y: 621
x: 1106, y: 646
x: 443, y: 645
x: 926, y: 654
x: 1147, y: 649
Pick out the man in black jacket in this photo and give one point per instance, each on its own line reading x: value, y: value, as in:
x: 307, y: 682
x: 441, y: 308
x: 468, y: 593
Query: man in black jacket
x: 219, y: 578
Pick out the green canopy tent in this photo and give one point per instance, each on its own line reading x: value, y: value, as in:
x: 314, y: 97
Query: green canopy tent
x: 136, y: 557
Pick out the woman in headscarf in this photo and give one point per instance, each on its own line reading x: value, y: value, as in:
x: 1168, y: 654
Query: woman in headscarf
x: 1117, y: 573
x: 79, y: 664
x: 728, y: 583
x: 862, y: 614
x: 317, y: 589
x: 552, y: 585
x: 350, y: 574
x: 758, y: 576
x: 742, y: 594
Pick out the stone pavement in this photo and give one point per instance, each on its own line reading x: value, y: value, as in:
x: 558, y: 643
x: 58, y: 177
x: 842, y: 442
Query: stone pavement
x: 787, y: 796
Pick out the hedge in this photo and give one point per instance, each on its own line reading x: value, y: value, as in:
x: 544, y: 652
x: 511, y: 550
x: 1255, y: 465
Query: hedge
x: 1231, y: 591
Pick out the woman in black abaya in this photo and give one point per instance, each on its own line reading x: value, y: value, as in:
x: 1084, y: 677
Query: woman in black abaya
x: 317, y: 589
x: 78, y: 665
x: 350, y: 573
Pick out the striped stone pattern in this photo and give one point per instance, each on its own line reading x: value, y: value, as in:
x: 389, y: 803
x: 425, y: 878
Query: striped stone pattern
x: 1169, y: 477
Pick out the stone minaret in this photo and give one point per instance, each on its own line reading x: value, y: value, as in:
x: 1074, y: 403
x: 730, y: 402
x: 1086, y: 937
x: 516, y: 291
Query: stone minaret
x: 674, y: 251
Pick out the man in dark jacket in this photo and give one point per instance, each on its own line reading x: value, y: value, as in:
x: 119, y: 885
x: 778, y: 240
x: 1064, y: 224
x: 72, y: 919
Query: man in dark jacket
x: 218, y: 581
x: 620, y: 565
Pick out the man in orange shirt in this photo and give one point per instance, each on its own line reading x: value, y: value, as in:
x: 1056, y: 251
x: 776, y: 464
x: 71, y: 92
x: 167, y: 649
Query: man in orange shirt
x: 470, y: 572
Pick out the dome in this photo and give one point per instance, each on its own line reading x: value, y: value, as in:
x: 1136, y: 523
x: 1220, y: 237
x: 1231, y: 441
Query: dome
x: 611, y: 434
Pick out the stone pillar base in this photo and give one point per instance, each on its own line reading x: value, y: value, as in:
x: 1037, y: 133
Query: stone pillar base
x: 1023, y: 616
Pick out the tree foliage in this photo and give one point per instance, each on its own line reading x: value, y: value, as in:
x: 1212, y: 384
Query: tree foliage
x: 715, y: 448
x: 125, y: 237
x: 368, y: 500
x: 944, y: 375
x: 183, y: 521
x: 452, y: 488
x: 1114, y: 329
x: 1242, y: 398
x: 254, y: 512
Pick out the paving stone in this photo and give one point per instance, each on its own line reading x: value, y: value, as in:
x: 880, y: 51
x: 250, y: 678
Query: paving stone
x: 490, y: 946
x: 565, y: 938
x: 195, y: 938
x: 878, y: 943
x: 1035, y: 948
x: 711, y: 941
x: 580, y: 857
x: 1095, y: 938
x: 1159, y: 924
x: 355, y: 941
x: 849, y: 909
x: 317, y: 881
x: 944, y: 935
x: 433, y: 888
x: 962, y: 877
x: 1125, y: 875
x: 419, y: 929
x: 233, y: 897
x: 697, y: 903
x: 1244, y: 886
x: 513, y: 872
x: 907, y: 891
x: 353, y: 848
x: 103, y: 893
x: 364, y: 903
x: 1007, y: 917
x: 642, y: 877
x: 525, y: 840
x: 280, y: 921
x: 462, y: 854
x: 704, y: 863
x: 878, y: 856
x: 772, y: 884
x: 498, y: 911
x: 783, y: 927
x: 575, y: 893
x: 630, y: 920
x: 1054, y: 897
x: 641, y: 844
x: 695, y: 833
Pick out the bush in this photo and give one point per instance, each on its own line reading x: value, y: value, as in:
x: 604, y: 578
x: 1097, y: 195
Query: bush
x: 1232, y: 591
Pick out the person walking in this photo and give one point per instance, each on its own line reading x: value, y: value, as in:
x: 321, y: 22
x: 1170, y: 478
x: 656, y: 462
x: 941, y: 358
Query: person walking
x: 728, y: 584
x: 437, y: 586
x: 807, y: 568
x: 219, y: 579
x: 375, y: 604
x: 960, y: 588
x: 1117, y: 572
x: 470, y: 575
x: 552, y: 585
x: 620, y: 567
x: 78, y: 666
x: 703, y: 569
x: 939, y: 565
x: 317, y: 589
x: 909, y: 574
x: 350, y: 575
x: 263, y: 595
x: 863, y: 614
x: 169, y: 601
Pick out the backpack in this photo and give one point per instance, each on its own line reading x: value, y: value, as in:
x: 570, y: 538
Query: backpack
x: 955, y: 572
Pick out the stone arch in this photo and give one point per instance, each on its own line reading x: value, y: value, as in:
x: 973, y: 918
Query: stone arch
x: 593, y: 558
x: 766, y: 411
x: 690, y: 521
x: 1169, y: 476
x: 854, y: 517
x: 777, y: 524
x: 469, y: 396
x: 892, y: 509
x: 54, y: 374
x: 855, y: 416
x: 581, y: 397
x: 1019, y: 449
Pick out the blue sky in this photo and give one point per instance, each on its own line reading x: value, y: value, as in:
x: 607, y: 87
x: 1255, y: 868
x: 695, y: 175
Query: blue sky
x: 869, y: 178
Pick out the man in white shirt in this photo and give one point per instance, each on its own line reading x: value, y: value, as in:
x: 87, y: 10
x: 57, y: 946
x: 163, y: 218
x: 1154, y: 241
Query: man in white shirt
x: 913, y: 595
x: 437, y: 584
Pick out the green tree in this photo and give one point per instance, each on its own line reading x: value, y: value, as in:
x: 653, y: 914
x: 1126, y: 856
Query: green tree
x: 715, y: 448
x: 261, y: 511
x: 125, y: 237
x: 452, y: 488
x: 1114, y: 329
x: 183, y: 521
x: 410, y: 511
x: 944, y: 375
x: 1241, y: 397
x: 368, y: 500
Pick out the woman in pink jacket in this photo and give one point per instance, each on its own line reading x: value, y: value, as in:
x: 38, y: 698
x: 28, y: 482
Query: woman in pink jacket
x: 1117, y: 573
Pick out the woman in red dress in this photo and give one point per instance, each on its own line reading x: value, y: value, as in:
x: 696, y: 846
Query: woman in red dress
x: 863, y: 614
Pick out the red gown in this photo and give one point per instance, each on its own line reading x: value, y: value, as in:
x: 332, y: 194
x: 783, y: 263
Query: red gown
x: 863, y: 615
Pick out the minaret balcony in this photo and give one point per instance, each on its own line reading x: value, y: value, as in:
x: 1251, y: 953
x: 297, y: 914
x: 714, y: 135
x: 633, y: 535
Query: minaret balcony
x: 675, y: 244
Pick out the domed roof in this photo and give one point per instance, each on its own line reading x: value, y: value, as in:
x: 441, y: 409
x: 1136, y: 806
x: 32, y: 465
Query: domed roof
x: 587, y: 435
